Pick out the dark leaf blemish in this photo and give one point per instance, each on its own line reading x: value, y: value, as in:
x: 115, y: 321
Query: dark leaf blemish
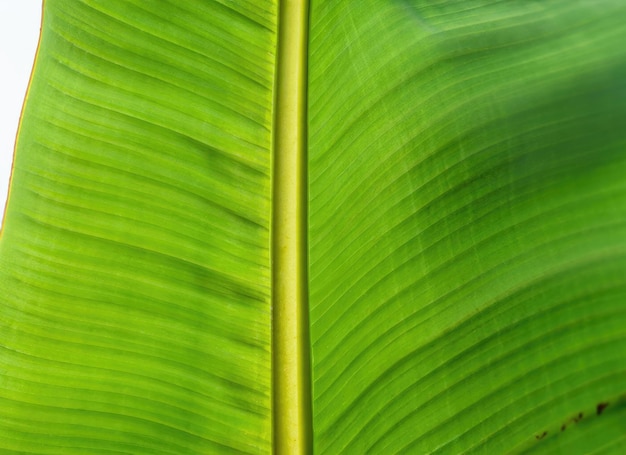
x: 601, y: 407
x: 542, y: 435
x: 573, y: 419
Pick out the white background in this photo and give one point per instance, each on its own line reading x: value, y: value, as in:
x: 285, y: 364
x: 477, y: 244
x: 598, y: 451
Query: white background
x: 19, y: 33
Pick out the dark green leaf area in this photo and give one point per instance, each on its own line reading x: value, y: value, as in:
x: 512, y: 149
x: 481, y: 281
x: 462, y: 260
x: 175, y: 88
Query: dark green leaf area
x: 467, y: 221
x: 595, y: 430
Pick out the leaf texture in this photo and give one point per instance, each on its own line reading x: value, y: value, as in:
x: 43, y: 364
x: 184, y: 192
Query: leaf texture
x: 467, y: 225
x: 134, y: 261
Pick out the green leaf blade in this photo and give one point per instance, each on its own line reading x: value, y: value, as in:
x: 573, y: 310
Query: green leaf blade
x: 466, y: 227
x: 135, y: 252
x: 466, y: 221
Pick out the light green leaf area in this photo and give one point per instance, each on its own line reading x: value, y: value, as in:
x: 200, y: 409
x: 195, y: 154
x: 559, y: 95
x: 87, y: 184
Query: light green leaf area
x: 467, y: 226
x: 134, y: 262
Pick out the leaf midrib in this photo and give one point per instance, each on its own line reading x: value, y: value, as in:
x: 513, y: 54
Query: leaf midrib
x: 292, y: 421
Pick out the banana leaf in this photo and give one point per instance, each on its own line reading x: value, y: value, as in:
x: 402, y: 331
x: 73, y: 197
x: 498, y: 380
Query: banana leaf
x: 465, y: 195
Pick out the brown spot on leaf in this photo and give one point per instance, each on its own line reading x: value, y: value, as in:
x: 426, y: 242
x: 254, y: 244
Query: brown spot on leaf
x: 601, y: 407
x: 578, y: 417
x: 542, y: 435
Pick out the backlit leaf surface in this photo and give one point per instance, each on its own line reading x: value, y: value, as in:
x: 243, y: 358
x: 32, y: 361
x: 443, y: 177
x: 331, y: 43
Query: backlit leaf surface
x: 466, y: 226
x: 134, y: 262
